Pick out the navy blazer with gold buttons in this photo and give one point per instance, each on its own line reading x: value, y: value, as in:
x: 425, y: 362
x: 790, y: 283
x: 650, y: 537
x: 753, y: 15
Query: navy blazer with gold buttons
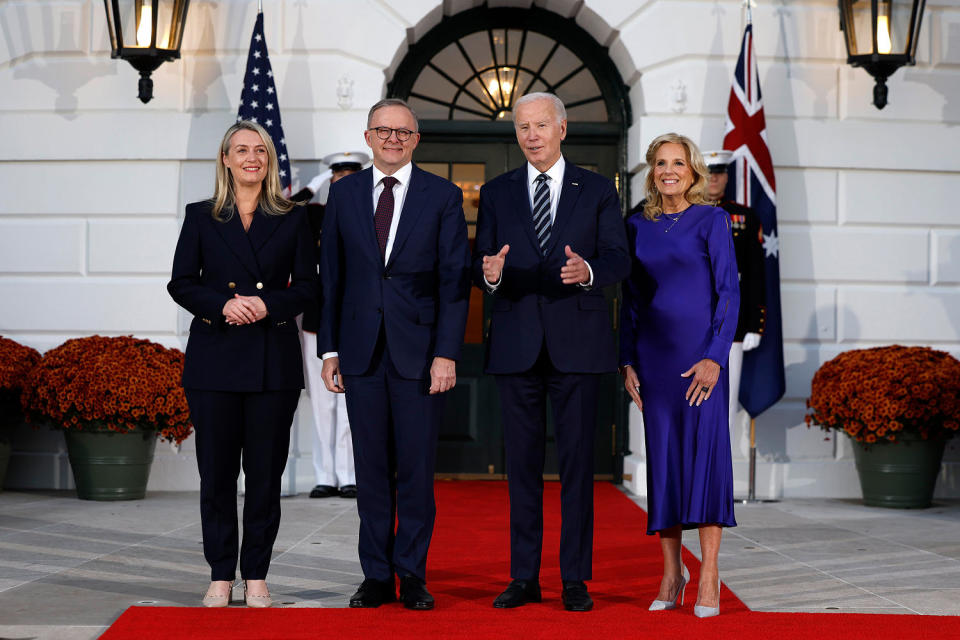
x: 214, y: 260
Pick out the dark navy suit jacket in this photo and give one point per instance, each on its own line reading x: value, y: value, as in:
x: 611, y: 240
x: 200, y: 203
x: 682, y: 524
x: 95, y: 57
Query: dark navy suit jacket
x: 419, y: 297
x: 532, y: 306
x: 214, y: 260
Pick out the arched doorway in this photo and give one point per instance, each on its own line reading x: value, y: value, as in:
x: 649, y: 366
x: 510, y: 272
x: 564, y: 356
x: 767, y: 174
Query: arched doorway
x: 463, y: 77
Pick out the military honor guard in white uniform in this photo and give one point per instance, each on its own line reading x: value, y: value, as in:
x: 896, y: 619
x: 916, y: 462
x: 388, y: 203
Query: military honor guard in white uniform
x: 332, y: 445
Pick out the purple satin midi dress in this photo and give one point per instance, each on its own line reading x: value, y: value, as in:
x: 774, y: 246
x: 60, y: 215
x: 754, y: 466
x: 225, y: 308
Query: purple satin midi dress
x: 680, y: 305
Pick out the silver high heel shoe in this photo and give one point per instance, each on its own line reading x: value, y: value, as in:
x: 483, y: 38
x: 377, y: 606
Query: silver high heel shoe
x: 214, y: 601
x: 708, y: 612
x: 666, y: 605
x: 256, y: 602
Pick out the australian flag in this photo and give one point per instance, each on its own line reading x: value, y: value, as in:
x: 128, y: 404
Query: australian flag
x: 752, y: 184
x: 258, y: 100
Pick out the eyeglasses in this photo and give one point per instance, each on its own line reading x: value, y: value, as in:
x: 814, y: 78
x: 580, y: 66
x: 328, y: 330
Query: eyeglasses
x: 384, y: 133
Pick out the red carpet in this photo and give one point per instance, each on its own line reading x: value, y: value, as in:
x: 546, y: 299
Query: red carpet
x: 469, y: 566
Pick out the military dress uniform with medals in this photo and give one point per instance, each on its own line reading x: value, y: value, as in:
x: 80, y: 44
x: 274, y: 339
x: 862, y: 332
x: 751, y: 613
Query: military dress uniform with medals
x: 748, y: 245
x: 747, y: 234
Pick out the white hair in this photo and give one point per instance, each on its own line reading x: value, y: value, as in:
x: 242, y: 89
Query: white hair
x: 542, y: 95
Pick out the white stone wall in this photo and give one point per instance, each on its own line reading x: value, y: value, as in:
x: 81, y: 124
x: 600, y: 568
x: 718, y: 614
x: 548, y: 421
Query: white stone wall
x: 93, y: 183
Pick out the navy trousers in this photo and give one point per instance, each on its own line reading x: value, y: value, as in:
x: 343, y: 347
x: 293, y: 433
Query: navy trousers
x: 394, y: 423
x: 523, y: 402
x: 230, y: 426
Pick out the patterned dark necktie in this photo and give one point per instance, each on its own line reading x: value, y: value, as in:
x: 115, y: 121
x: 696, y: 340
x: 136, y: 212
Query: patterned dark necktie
x: 383, y: 216
x: 541, y: 211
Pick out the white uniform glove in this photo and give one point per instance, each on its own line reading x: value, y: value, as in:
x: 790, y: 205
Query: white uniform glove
x: 751, y: 341
x: 317, y: 182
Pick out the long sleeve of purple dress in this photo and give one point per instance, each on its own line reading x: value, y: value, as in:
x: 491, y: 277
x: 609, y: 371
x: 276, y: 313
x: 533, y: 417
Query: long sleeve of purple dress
x: 627, y: 316
x: 723, y: 261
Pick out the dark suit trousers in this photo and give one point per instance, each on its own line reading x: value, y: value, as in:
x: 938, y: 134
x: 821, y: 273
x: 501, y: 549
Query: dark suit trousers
x: 523, y: 401
x: 256, y: 427
x: 394, y: 423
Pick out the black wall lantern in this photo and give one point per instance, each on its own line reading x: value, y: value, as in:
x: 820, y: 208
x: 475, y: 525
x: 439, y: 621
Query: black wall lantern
x: 881, y: 37
x: 146, y: 33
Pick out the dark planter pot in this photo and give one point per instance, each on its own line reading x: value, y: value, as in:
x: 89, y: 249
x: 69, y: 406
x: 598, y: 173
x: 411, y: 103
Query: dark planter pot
x: 111, y: 466
x: 10, y: 417
x: 901, y: 475
x: 4, y: 461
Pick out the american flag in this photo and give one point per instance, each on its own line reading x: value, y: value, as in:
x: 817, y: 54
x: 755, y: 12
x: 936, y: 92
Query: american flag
x: 258, y: 100
x: 752, y: 184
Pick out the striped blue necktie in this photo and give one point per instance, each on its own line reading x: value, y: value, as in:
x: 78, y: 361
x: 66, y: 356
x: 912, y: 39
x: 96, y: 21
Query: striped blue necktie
x: 541, y: 211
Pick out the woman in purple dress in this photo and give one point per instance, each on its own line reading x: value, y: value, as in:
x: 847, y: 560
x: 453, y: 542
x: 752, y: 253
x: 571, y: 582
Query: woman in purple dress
x: 678, y: 321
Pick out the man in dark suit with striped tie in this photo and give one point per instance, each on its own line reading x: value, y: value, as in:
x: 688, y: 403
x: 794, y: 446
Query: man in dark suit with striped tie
x: 549, y: 237
x: 395, y: 268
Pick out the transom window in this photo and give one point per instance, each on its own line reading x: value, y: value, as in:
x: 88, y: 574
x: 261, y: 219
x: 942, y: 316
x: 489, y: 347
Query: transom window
x: 480, y: 76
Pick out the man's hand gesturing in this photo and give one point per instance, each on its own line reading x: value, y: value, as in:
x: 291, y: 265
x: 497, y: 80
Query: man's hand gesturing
x: 575, y: 270
x: 493, y: 265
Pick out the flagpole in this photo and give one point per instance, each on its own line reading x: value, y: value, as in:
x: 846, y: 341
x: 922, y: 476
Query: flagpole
x: 752, y: 477
x: 748, y: 82
x: 752, y: 488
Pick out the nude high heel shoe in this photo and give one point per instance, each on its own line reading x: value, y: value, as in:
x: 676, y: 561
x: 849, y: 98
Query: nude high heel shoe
x: 666, y: 605
x: 708, y: 612
x: 256, y: 602
x: 215, y: 601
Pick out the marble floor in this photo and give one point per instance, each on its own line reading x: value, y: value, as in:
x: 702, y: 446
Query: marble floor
x: 68, y: 568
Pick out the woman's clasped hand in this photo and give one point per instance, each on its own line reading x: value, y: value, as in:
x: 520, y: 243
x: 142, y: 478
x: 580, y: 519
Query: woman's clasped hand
x: 244, y: 309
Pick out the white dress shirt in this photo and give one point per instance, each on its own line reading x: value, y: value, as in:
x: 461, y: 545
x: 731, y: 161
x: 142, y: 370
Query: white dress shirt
x: 555, y: 183
x: 399, y: 194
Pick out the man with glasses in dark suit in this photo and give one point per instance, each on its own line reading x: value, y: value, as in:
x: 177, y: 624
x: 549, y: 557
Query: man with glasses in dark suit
x: 395, y: 270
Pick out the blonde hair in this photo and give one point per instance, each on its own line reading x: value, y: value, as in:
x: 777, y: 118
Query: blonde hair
x: 696, y: 194
x: 224, y: 198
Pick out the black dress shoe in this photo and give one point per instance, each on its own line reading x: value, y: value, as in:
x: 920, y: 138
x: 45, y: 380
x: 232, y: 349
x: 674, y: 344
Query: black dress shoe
x: 575, y: 596
x: 518, y: 593
x: 373, y: 593
x: 414, y: 594
x: 348, y: 491
x: 323, y: 491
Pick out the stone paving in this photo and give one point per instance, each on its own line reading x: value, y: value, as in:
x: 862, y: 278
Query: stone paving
x: 839, y: 555
x: 68, y: 568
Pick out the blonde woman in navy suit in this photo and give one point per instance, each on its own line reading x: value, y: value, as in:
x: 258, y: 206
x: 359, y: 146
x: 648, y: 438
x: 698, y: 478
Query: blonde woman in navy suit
x: 244, y: 267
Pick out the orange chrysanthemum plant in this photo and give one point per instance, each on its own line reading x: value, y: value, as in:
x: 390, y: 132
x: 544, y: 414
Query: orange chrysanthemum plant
x: 16, y: 362
x: 110, y: 384
x: 883, y: 393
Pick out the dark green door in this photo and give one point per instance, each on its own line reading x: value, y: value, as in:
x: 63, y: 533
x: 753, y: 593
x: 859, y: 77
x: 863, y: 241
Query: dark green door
x: 471, y: 436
